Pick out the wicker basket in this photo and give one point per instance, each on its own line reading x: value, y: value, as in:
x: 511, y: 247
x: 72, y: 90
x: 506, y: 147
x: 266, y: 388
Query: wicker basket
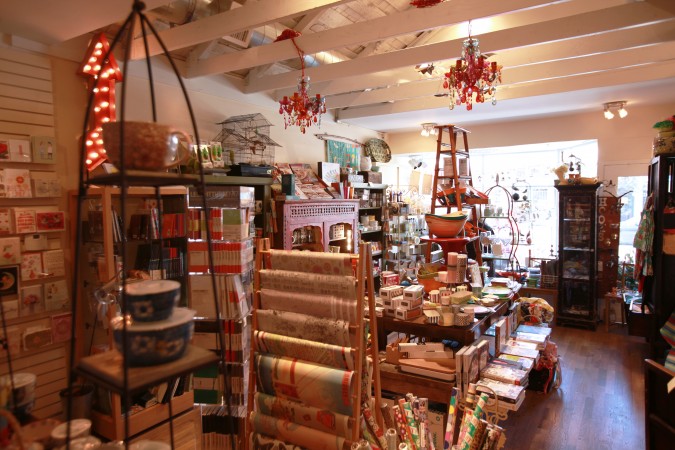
x: 549, y: 281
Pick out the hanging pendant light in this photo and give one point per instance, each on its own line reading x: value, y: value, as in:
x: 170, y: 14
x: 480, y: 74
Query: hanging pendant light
x: 300, y: 109
x: 472, y: 75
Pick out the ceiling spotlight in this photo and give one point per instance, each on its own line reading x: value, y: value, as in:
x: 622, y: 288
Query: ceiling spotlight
x: 429, y: 129
x: 619, y: 106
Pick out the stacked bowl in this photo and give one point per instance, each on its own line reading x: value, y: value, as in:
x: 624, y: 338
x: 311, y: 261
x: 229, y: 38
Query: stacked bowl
x: 157, y: 331
x: 446, y: 225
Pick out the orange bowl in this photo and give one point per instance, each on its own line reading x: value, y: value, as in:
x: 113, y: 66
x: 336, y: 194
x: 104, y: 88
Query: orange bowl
x: 446, y: 226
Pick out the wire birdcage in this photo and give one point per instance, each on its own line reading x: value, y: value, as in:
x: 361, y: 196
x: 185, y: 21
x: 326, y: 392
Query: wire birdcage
x: 246, y: 139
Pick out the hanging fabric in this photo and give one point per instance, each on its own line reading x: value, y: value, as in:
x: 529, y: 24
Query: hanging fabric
x: 644, y: 243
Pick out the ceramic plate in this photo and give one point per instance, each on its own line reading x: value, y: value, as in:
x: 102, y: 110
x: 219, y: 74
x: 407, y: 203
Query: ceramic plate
x: 497, y: 290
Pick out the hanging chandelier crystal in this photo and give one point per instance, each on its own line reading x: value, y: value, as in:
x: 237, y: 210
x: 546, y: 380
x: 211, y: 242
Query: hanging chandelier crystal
x: 472, y: 75
x: 300, y: 109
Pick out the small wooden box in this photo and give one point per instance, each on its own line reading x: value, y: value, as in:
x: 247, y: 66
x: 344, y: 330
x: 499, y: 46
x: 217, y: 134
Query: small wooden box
x: 371, y: 177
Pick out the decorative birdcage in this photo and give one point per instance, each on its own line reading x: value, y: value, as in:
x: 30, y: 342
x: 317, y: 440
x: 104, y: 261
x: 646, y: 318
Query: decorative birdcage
x: 246, y: 139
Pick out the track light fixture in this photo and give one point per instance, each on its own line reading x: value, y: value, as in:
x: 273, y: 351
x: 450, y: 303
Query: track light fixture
x: 429, y: 129
x: 619, y: 106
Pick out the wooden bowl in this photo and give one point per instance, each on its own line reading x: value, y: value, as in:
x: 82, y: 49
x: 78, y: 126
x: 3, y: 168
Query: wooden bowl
x: 446, y: 226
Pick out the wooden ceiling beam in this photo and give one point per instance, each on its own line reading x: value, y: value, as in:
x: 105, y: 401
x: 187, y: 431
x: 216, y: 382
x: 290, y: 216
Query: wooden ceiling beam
x: 560, y: 68
x: 637, y: 74
x: 666, y: 5
x: 628, y: 15
x: 550, y: 51
x: 249, y: 16
x: 406, y: 22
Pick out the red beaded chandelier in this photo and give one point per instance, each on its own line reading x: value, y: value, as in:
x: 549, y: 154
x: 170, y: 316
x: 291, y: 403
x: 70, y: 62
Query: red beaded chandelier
x: 472, y: 74
x: 425, y: 3
x: 300, y: 109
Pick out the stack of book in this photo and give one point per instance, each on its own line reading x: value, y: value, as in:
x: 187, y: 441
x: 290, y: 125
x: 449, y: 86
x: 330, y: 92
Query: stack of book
x: 470, y: 361
x: 509, y: 396
x: 505, y: 374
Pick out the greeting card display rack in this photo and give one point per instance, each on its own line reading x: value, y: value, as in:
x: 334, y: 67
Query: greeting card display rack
x: 270, y: 352
x: 111, y: 369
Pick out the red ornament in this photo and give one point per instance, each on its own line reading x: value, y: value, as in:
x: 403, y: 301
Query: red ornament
x: 300, y: 109
x: 425, y: 3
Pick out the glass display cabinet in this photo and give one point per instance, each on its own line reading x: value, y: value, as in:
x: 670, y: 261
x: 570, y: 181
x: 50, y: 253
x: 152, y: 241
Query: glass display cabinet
x: 578, y: 255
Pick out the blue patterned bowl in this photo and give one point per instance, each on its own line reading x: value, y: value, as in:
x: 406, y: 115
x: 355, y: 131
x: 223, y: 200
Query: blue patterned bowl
x: 152, y: 343
x: 152, y: 300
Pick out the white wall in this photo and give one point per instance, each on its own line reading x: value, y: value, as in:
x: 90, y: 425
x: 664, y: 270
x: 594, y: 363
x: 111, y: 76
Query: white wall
x: 628, y: 139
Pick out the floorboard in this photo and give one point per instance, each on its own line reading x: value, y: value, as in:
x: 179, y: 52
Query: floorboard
x: 600, y: 404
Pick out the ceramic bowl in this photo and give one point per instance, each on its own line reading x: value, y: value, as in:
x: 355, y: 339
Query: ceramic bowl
x: 446, y: 226
x: 152, y: 343
x: 152, y: 300
x: 79, y: 428
x: 83, y: 443
x: 430, y: 282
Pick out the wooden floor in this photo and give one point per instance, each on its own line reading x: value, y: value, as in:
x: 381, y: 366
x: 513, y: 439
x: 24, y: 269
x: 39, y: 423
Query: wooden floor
x: 600, y: 404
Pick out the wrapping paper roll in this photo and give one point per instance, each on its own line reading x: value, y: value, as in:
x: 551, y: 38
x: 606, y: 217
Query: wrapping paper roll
x: 473, y: 422
x: 312, y: 351
x: 317, y: 263
x: 259, y: 442
x: 391, y: 437
x: 309, y: 283
x: 296, y: 434
x: 452, y: 417
x: 301, y: 414
x: 318, y: 386
x: 301, y: 326
x: 324, y: 306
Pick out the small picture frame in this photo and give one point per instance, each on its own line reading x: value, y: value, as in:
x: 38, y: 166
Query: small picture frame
x: 19, y: 150
x: 9, y: 280
x: 44, y: 149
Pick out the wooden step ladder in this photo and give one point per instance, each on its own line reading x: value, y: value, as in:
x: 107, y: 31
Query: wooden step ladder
x: 454, y: 191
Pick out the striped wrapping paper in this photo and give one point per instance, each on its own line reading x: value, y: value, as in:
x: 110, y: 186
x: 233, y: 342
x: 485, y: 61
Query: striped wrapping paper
x: 296, y: 434
x: 309, y: 283
x: 301, y: 414
x: 323, y: 263
x: 301, y: 326
x: 473, y: 422
x: 312, y: 351
x: 313, y: 304
x: 318, y: 386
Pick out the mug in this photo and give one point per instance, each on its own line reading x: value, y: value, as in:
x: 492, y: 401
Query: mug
x: 147, y: 145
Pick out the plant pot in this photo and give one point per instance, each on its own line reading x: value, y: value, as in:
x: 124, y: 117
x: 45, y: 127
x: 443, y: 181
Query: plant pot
x: 80, y: 397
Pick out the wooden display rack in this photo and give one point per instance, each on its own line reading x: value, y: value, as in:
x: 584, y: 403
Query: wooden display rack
x: 364, y: 292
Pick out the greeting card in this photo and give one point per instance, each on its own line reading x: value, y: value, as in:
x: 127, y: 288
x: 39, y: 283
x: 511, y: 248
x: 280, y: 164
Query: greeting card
x: 46, y: 187
x: 19, y: 150
x: 56, y: 295
x: 61, y: 327
x: 53, y: 263
x: 9, y: 280
x: 6, y: 221
x: 44, y: 148
x: 31, y: 266
x: 50, y: 221
x: 24, y: 220
x: 11, y: 309
x: 10, y: 250
x: 32, y: 300
x: 17, y: 183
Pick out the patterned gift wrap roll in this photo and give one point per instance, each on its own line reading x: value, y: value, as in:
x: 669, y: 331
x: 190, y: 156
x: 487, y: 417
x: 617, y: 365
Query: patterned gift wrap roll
x: 318, y: 386
x: 402, y: 426
x: 296, y: 434
x: 452, y: 258
x: 316, y: 263
x: 309, y: 283
x: 317, y: 305
x: 452, y: 415
x: 312, y: 351
x: 391, y: 438
x: 301, y: 414
x: 473, y: 422
x: 373, y: 427
x: 301, y: 326
x: 462, y: 319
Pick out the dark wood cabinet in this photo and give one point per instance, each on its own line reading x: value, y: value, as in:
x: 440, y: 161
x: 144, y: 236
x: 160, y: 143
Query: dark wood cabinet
x: 658, y: 292
x: 577, y: 250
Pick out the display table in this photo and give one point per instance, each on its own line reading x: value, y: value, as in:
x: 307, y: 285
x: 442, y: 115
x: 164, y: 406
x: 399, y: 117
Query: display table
x: 395, y: 381
x: 448, y: 245
x: 417, y: 327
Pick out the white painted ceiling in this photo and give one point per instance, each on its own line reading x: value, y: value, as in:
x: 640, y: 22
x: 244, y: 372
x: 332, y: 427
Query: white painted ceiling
x: 558, y: 56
